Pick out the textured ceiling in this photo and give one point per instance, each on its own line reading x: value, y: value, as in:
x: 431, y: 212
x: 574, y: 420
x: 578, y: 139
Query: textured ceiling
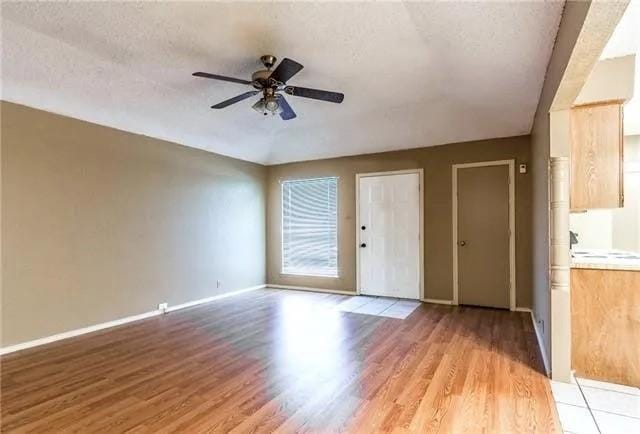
x: 413, y: 74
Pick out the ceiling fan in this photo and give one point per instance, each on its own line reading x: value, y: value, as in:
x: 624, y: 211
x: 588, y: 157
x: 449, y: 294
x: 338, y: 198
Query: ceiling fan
x: 271, y: 84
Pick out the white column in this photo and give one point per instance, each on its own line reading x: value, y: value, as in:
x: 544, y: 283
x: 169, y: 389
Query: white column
x: 560, y: 263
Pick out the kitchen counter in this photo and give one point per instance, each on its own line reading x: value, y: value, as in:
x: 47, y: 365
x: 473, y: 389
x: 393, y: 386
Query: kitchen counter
x: 605, y: 259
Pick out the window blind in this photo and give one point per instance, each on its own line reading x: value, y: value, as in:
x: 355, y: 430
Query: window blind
x: 310, y: 227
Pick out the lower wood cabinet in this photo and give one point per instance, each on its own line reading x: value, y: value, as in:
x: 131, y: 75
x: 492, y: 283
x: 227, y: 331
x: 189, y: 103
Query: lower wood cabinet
x: 605, y: 325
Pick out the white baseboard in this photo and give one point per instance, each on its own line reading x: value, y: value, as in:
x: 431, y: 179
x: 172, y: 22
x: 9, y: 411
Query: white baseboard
x: 540, y: 340
x: 77, y: 332
x: 437, y: 301
x: 215, y: 297
x: 307, y: 288
x: 117, y: 322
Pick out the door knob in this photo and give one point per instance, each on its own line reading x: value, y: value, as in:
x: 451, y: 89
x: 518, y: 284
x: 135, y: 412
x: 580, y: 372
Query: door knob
x: 462, y: 243
x: 363, y: 245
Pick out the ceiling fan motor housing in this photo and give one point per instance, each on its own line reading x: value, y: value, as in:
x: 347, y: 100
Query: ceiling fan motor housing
x: 260, y: 79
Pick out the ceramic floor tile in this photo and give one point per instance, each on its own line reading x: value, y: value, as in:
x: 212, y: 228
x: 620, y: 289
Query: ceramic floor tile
x: 576, y: 420
x: 380, y: 306
x: 612, y: 402
x: 608, y: 386
x: 567, y: 394
x: 375, y: 307
x: 354, y: 303
x: 385, y: 301
x: 610, y: 423
x: 402, y: 306
x: 408, y: 303
x: 394, y: 314
x: 397, y: 312
x: 405, y: 311
x: 369, y: 310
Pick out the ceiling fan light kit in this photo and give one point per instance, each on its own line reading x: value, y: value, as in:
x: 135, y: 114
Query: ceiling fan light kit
x: 267, y: 105
x: 272, y: 84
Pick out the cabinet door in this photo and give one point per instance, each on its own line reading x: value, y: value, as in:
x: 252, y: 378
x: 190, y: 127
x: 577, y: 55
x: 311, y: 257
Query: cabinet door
x: 596, y: 156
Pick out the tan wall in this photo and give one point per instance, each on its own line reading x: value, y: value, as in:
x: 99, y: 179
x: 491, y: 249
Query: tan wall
x: 436, y: 162
x: 100, y: 224
x: 573, y: 18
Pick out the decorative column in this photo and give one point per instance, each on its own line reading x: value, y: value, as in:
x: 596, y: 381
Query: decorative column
x: 560, y: 267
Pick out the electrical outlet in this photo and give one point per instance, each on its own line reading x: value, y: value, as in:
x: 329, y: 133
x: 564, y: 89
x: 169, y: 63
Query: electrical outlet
x: 162, y: 307
x: 218, y: 283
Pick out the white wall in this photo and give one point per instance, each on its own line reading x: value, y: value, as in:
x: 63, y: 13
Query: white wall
x: 610, y: 79
x: 594, y: 229
x: 626, y: 221
x: 615, y: 228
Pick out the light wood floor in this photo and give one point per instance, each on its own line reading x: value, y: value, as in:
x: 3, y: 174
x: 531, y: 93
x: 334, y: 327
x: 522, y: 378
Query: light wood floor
x: 286, y: 361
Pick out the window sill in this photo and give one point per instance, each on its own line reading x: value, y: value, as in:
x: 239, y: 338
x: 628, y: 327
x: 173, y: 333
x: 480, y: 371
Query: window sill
x: 326, y: 276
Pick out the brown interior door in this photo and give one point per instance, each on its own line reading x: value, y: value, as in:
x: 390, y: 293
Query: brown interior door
x: 483, y: 236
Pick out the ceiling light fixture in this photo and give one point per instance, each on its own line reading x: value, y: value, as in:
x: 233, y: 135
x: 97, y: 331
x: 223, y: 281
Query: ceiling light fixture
x: 259, y: 106
x: 272, y: 104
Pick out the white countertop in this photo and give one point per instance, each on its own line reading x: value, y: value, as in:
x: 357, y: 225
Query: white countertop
x: 605, y: 259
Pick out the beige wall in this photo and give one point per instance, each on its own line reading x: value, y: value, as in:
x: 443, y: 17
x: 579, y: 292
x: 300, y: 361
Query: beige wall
x: 436, y: 162
x: 584, y: 30
x: 100, y: 224
x: 572, y: 19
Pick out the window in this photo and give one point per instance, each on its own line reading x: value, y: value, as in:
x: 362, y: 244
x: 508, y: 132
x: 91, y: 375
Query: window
x: 310, y: 227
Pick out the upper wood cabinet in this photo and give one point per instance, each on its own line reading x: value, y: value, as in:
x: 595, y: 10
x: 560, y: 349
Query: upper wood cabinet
x: 596, y: 156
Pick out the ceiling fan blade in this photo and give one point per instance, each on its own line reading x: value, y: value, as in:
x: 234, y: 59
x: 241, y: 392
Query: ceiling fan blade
x: 285, y: 70
x: 220, y: 77
x: 322, y: 95
x: 235, y: 99
x: 286, y: 112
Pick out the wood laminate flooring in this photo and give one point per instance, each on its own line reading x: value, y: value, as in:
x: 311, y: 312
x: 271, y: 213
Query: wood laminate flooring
x: 286, y: 361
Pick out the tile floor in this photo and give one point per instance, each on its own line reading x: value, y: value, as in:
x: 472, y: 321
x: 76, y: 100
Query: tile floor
x: 590, y: 406
x: 379, y: 306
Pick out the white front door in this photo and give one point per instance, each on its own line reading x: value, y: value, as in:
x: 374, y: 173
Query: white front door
x: 388, y: 235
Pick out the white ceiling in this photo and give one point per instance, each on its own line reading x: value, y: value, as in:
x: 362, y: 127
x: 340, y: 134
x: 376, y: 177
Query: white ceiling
x: 625, y: 41
x: 413, y: 74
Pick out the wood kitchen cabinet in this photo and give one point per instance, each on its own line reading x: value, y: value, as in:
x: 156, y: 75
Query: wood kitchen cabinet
x: 605, y: 325
x: 596, y: 156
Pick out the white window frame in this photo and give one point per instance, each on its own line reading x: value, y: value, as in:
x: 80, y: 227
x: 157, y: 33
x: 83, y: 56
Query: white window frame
x: 290, y: 273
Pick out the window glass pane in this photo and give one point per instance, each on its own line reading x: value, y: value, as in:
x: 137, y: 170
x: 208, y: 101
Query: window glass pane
x: 309, y: 227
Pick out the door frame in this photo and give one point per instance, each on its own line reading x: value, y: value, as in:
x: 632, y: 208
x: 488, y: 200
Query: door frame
x: 512, y: 224
x: 420, y: 173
